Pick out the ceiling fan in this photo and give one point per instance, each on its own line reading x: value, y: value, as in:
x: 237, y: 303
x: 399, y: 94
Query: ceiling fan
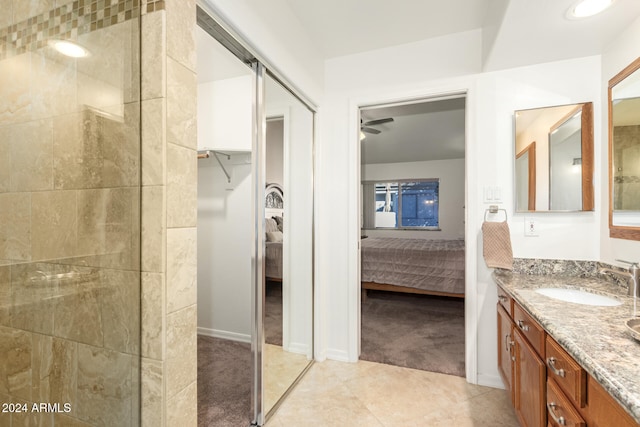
x: 364, y: 126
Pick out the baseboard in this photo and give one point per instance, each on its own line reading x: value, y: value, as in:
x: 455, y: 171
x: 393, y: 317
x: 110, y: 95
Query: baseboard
x: 490, y: 381
x: 339, y: 355
x: 232, y: 336
x: 298, y: 348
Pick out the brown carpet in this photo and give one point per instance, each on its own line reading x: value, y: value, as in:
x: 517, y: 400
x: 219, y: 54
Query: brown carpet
x: 414, y: 331
x: 224, y: 383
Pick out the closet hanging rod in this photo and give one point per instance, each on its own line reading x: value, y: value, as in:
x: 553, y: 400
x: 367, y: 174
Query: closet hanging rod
x: 205, y: 154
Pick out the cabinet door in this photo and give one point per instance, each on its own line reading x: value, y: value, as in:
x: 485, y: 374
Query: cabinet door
x: 529, y: 397
x: 505, y: 349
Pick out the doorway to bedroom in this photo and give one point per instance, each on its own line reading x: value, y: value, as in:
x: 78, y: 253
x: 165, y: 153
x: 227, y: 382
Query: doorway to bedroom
x: 412, y: 197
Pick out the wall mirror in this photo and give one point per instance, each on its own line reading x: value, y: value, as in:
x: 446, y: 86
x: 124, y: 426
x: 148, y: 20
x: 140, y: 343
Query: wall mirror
x: 624, y: 153
x: 554, y: 159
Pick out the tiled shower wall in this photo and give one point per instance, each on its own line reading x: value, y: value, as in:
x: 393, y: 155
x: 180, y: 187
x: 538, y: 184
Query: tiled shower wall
x: 169, y: 215
x: 70, y: 217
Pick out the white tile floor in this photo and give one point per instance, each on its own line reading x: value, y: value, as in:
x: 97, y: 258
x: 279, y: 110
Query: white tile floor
x: 376, y: 395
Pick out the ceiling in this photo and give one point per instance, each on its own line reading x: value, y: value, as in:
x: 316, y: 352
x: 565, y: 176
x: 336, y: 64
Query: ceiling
x: 428, y: 130
x: 515, y: 32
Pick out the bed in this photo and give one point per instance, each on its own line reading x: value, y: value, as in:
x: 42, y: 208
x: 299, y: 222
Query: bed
x: 418, y: 266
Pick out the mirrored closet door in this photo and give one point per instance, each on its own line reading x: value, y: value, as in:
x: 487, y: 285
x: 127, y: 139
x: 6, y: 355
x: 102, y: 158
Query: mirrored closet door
x: 255, y: 232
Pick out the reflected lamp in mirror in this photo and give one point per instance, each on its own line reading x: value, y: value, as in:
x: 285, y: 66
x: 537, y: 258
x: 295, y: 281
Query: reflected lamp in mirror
x: 624, y: 153
x: 554, y: 159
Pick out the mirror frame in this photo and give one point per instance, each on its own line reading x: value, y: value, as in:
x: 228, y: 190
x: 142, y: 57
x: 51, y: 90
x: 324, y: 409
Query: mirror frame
x: 618, y: 231
x: 531, y: 196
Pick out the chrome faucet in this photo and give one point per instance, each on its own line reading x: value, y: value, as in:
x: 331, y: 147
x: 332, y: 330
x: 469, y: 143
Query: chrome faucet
x: 632, y: 276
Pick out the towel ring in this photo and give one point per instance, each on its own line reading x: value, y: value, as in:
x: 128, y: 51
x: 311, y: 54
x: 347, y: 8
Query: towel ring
x: 493, y: 209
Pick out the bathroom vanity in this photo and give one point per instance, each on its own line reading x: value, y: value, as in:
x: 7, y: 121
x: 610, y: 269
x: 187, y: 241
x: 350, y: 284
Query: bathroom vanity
x: 567, y: 363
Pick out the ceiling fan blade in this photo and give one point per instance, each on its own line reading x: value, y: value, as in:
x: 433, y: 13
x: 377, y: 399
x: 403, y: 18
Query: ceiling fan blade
x: 378, y: 121
x: 370, y: 130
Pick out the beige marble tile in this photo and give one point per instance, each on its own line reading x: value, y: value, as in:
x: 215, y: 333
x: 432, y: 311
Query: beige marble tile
x: 391, y: 396
x: 15, y: 103
x: 181, y: 365
x: 53, y: 222
x: 77, y: 316
x: 15, y: 363
x: 15, y: 233
x: 104, y: 387
x: 5, y: 295
x: 182, y: 408
x: 67, y: 421
x: 281, y: 368
x: 54, y: 85
x: 54, y: 368
x: 181, y: 31
x: 182, y: 186
x: 32, y: 156
x: 5, y: 418
x: 153, y: 229
x: 112, y: 71
x: 5, y: 157
x: 122, y: 152
x: 77, y: 158
x: 153, y: 141
x: 120, y: 310
x: 24, y: 9
x: 30, y: 418
x: 489, y: 409
x: 153, y: 50
x: 6, y: 17
x: 182, y: 268
x: 33, y: 297
x: 182, y: 87
x: 152, y: 393
x: 106, y: 220
x: 153, y: 315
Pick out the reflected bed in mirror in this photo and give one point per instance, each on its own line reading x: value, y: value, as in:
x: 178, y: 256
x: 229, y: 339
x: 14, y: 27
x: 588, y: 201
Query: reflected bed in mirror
x: 554, y: 159
x: 624, y: 153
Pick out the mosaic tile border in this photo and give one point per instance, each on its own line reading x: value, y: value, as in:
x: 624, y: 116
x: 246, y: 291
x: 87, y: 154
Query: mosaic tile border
x: 70, y: 20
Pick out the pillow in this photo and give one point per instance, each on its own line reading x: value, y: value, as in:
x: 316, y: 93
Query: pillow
x: 274, y: 236
x: 280, y: 221
x: 270, y: 225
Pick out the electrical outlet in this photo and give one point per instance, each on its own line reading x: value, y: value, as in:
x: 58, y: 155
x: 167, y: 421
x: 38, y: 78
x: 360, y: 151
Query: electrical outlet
x: 530, y: 227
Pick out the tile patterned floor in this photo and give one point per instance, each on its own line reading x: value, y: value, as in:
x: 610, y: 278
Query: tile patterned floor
x: 376, y: 395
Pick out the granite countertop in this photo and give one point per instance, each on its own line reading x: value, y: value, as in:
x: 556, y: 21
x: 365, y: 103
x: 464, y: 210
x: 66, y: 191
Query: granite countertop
x: 596, y: 337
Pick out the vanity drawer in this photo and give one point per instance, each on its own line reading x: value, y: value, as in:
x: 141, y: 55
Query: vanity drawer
x: 529, y: 328
x: 569, y: 376
x: 505, y: 301
x: 560, y: 412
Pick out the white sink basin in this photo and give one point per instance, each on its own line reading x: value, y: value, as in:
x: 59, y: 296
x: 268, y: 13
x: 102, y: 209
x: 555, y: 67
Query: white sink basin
x: 578, y: 297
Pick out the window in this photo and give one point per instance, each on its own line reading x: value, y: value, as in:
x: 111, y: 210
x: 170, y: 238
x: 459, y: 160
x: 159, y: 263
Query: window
x: 401, y: 204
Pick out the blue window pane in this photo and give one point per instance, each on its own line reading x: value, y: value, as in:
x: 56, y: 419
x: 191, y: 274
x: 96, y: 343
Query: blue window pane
x: 420, y: 204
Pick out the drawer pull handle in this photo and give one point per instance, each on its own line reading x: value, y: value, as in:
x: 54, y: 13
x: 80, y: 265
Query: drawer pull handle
x: 508, y: 343
x: 522, y: 326
x: 502, y: 298
x: 551, y: 363
x: 551, y: 406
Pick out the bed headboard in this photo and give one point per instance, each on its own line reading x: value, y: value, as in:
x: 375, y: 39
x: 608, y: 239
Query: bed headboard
x: 273, y: 201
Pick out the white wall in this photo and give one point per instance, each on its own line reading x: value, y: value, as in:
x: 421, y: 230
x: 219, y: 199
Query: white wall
x: 394, y: 74
x: 451, y: 175
x: 620, y: 53
x: 224, y: 210
x: 274, y: 152
x: 225, y: 114
x: 224, y: 252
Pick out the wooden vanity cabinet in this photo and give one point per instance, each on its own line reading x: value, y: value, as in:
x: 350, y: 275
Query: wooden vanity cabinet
x: 548, y: 388
x: 521, y: 364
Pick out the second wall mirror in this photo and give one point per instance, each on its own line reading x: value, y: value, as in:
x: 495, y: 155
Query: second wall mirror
x: 554, y: 159
x: 624, y: 153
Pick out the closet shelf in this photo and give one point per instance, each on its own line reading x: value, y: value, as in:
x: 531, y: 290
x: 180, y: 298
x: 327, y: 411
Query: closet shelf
x: 227, y: 156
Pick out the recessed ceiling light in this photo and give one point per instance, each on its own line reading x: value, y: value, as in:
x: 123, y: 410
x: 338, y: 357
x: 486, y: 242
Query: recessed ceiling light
x: 69, y: 48
x: 586, y: 8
